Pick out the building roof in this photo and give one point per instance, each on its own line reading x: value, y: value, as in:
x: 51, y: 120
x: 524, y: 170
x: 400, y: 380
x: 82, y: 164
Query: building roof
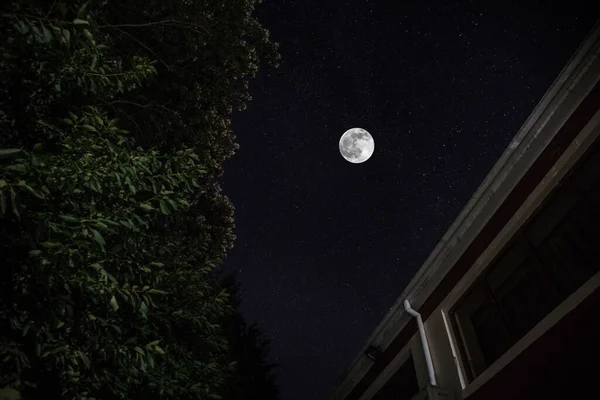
x: 570, y: 102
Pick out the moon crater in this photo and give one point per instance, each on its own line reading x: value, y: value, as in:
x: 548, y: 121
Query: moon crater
x: 357, y: 145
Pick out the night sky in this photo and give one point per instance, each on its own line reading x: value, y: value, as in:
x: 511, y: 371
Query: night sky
x: 324, y: 247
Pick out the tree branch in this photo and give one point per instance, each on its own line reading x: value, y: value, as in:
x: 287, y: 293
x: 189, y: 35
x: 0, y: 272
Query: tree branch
x: 117, y: 111
x: 141, y: 105
x: 165, y: 22
x: 144, y: 46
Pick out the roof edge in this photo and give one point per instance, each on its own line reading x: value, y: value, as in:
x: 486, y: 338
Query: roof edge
x: 586, y: 54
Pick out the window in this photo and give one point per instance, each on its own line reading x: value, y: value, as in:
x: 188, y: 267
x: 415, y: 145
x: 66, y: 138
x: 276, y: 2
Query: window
x: 484, y: 334
x: 571, y: 252
x: 556, y: 253
x: 503, y: 306
x: 403, y: 385
x: 523, y: 293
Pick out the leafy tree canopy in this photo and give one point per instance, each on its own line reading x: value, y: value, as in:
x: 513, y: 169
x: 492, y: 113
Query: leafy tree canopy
x: 111, y: 219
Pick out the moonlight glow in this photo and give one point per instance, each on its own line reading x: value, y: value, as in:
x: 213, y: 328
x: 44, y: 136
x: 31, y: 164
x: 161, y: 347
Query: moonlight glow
x: 357, y: 145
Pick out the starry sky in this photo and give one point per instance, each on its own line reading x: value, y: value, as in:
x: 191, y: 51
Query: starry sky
x: 324, y: 247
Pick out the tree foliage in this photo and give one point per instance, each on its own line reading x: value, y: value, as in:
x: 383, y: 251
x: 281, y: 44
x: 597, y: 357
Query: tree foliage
x: 206, y: 52
x: 111, y: 219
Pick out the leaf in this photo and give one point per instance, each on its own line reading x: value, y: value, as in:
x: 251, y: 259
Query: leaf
x: 96, y: 186
x: 26, y: 329
x: 68, y: 218
x: 90, y: 128
x: 47, y: 34
x: 50, y: 244
x: 146, y: 206
x: 37, y: 32
x: 153, y: 343
x: 78, y: 21
x: 101, y: 225
x: 114, y: 304
x: 22, y: 27
x: 13, y: 199
x: 82, y: 11
x: 163, y: 207
x: 35, y: 161
x: 156, y: 291
x: 35, y: 253
x: 2, y: 202
x: 5, y: 153
x: 2, y: 183
x: 57, y: 350
x: 67, y: 36
x: 33, y: 192
x: 96, y: 266
x: 108, y: 221
x: 157, y: 264
x: 143, y: 309
x: 88, y: 35
x: 112, y: 278
x: 85, y: 359
x: 17, y: 167
x: 172, y: 204
x: 139, y: 350
x: 37, y: 147
x: 98, y: 237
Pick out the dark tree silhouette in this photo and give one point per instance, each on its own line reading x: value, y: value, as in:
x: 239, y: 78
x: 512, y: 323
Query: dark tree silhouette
x: 254, y: 375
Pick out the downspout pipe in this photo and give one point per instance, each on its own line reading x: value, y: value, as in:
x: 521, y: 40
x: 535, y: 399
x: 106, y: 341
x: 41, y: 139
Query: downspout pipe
x: 424, y: 342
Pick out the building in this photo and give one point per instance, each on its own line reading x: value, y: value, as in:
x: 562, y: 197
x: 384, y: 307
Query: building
x: 507, y: 306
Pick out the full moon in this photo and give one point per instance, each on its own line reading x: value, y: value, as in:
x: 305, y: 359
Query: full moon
x: 357, y: 145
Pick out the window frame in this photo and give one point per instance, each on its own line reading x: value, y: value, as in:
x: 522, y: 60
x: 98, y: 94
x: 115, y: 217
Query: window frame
x: 573, y: 193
